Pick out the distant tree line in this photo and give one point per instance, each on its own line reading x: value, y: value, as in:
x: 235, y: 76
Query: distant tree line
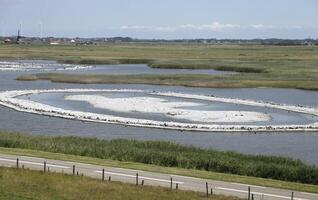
x: 100, y: 40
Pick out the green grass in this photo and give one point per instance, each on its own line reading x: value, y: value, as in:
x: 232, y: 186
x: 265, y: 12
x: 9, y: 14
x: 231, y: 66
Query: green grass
x: 221, y: 81
x: 167, y: 154
x: 26, y: 184
x: 235, y: 66
x: 168, y: 170
x: 259, y: 66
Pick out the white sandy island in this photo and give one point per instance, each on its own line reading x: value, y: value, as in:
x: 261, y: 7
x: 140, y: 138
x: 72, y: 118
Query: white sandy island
x: 9, y: 99
x: 174, y: 109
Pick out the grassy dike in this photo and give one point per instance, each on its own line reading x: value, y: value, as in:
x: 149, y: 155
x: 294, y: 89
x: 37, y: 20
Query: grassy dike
x: 26, y: 184
x: 258, y: 66
x: 162, y: 157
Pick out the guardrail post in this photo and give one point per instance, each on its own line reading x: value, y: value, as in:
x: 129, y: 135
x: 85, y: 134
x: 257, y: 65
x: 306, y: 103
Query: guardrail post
x: 170, y: 183
x: 137, y: 178
x: 177, y: 186
x: 292, y: 196
x: 207, y: 189
x: 109, y: 178
x: 262, y: 197
x: 211, y: 191
x: 252, y: 196
x: 249, y: 193
x: 73, y: 170
x: 103, y: 175
x: 17, y: 163
x: 44, y: 167
x: 142, y: 182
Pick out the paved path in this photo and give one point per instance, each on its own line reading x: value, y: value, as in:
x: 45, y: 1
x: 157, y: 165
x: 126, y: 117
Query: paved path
x: 155, y: 179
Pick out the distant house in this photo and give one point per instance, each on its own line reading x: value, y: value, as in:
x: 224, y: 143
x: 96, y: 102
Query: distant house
x: 309, y: 43
x: 54, y: 43
x: 7, y: 41
x: 72, y: 41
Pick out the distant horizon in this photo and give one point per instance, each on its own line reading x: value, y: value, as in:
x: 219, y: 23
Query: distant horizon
x: 165, y: 19
x: 308, y: 38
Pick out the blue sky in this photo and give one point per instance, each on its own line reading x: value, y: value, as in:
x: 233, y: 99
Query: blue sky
x: 168, y: 19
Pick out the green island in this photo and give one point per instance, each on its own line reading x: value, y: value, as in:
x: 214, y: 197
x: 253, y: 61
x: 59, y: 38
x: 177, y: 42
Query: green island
x: 166, y: 157
x: 255, y: 65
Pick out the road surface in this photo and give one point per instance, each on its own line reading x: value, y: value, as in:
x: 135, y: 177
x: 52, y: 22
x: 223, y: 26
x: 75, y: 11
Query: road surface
x: 154, y: 179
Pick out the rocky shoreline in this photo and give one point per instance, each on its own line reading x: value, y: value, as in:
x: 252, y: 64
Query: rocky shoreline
x: 9, y: 99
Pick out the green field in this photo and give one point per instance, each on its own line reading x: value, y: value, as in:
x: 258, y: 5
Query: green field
x: 259, y: 66
x: 26, y: 185
x: 168, y: 158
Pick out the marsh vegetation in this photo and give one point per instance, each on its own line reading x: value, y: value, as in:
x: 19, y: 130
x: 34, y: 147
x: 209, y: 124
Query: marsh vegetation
x: 258, y: 66
x: 169, y: 155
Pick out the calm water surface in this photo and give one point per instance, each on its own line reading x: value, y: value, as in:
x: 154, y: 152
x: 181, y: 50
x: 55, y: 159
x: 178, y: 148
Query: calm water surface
x: 302, y: 146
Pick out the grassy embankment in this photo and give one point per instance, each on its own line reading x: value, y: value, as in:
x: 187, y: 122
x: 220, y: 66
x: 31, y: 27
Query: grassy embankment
x: 260, y: 66
x: 26, y: 184
x: 169, y: 158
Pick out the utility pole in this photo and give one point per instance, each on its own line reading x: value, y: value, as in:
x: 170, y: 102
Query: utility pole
x: 19, y: 32
x: 18, y: 37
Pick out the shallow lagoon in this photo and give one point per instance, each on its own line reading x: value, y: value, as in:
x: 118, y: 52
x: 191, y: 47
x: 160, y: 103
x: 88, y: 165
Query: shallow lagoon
x: 297, y: 145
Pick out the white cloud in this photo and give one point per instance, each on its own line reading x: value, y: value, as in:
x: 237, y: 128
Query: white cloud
x: 163, y: 28
x: 261, y: 26
x: 132, y: 27
x: 215, y: 26
x: 296, y: 27
x: 212, y: 27
x: 147, y: 28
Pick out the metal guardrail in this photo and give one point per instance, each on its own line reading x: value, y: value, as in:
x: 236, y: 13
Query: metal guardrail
x: 209, y: 190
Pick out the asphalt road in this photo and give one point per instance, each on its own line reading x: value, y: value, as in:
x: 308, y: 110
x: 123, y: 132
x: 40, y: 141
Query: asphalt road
x: 154, y: 179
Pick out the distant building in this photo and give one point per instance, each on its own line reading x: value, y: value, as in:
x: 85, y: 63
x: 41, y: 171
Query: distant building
x: 54, y: 43
x: 7, y: 41
x: 308, y: 43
